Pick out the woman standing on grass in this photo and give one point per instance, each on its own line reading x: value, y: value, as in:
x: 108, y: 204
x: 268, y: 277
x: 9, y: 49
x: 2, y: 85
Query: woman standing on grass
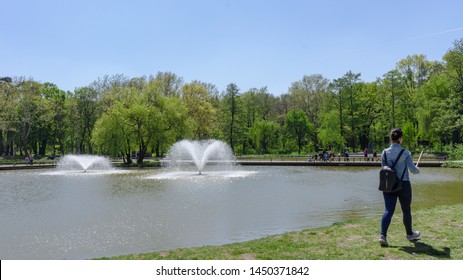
x: 404, y: 163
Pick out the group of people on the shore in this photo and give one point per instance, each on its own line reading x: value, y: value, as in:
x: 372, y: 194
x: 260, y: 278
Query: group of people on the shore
x: 29, y: 159
x: 331, y: 156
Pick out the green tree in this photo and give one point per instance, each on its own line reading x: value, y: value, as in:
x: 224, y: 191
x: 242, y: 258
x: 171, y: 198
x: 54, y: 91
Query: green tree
x: 249, y: 112
x: 438, y: 92
x: 164, y: 92
x: 168, y: 84
x: 142, y: 120
x: 127, y: 126
x: 454, y: 69
x: 230, y: 114
x: 86, y: 111
x: 393, y: 87
x: 52, y: 132
x: 201, y: 113
x: 30, y: 112
x: 309, y: 94
x: 346, y: 89
x: 8, y: 97
x: 368, y: 113
x: 264, y: 103
x: 297, y: 125
x: 328, y: 132
x: 264, y: 135
x: 112, y: 133
x: 416, y: 70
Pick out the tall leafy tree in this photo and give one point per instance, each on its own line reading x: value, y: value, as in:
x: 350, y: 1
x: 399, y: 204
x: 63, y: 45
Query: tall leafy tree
x: 264, y: 135
x: 454, y: 69
x: 31, y: 113
x: 201, y: 113
x: 167, y: 84
x: 393, y: 87
x: 309, y: 95
x: 230, y: 115
x: 142, y: 120
x: 87, y: 111
x: 346, y: 89
x: 53, y: 131
x: 298, y: 126
x: 7, y: 101
x: 328, y: 132
x: 164, y: 92
x: 432, y: 113
x: 113, y: 134
x: 368, y: 113
x: 249, y: 115
x: 173, y: 124
x: 416, y: 70
x: 265, y: 103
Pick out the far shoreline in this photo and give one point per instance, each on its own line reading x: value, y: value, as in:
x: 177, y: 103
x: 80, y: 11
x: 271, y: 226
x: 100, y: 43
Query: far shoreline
x: 241, y: 162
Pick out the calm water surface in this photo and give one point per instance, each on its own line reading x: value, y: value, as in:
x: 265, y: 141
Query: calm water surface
x: 59, y: 215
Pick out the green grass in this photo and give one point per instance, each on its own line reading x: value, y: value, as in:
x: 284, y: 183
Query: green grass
x: 453, y: 164
x: 441, y: 228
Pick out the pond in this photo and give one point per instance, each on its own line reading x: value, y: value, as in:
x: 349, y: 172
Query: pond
x: 63, y: 215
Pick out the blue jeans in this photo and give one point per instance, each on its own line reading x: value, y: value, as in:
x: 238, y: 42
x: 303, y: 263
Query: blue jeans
x: 390, y: 201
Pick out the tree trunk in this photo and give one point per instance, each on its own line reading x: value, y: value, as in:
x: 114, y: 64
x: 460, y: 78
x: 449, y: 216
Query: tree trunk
x: 43, y: 147
x: 127, y: 158
x: 157, y: 150
x: 141, y: 154
x: 456, y: 137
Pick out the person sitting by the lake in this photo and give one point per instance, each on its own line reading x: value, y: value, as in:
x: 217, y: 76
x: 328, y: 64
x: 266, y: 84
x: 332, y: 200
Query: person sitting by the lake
x: 365, y: 154
x: 404, y: 163
x: 312, y: 158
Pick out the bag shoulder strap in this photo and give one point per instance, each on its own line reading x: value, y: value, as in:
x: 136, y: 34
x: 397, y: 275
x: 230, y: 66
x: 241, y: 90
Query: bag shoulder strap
x: 405, y: 168
x: 400, y: 154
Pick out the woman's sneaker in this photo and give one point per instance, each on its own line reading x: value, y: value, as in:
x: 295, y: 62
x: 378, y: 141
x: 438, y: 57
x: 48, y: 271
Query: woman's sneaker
x: 415, y: 236
x: 383, y: 241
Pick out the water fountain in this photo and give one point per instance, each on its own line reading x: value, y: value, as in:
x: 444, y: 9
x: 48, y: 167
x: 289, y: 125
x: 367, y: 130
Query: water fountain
x: 200, y: 153
x: 84, y: 163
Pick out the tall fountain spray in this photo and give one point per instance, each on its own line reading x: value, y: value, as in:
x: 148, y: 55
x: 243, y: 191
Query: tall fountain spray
x: 84, y: 163
x: 200, y: 153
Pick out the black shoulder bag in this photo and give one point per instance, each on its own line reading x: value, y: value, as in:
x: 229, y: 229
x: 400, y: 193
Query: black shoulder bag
x: 388, y: 180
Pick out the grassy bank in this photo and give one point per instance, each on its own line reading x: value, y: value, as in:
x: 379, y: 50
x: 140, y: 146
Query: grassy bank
x: 441, y: 229
x: 453, y: 164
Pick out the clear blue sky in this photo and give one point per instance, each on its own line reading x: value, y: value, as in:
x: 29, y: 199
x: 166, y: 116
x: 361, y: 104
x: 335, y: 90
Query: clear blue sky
x: 250, y: 43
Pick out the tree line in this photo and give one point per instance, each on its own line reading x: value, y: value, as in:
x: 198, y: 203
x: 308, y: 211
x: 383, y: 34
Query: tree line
x: 118, y: 115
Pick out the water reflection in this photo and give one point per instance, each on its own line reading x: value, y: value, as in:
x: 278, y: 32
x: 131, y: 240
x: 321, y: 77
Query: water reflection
x: 61, y: 216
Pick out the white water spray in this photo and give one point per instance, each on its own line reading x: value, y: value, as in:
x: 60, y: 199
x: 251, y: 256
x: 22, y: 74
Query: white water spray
x: 200, y: 153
